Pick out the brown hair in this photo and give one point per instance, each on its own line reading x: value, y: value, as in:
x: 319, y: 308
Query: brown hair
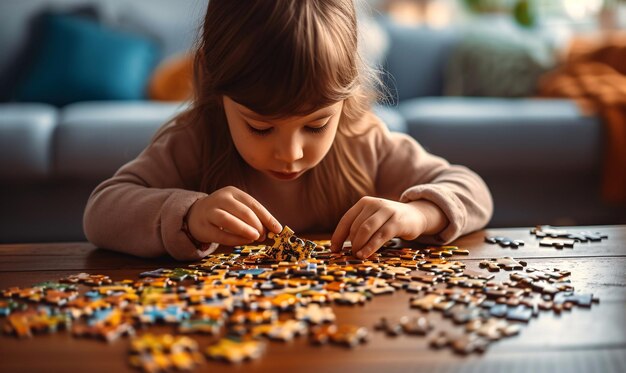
x: 305, y: 53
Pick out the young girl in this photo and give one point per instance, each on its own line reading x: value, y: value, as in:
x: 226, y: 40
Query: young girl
x: 280, y: 131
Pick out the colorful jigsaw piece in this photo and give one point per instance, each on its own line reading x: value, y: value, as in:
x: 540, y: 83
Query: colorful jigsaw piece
x: 288, y: 247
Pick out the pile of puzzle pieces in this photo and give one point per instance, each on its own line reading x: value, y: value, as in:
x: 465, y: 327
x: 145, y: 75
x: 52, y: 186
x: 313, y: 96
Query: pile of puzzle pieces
x: 287, y: 291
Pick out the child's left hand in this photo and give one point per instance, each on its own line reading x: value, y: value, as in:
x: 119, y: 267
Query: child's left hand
x: 373, y: 221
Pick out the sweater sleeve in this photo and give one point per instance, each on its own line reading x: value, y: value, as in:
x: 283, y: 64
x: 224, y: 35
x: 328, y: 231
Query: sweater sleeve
x: 140, y: 209
x: 406, y: 172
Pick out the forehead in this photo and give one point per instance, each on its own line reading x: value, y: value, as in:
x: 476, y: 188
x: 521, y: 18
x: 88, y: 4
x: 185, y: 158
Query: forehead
x: 315, y: 114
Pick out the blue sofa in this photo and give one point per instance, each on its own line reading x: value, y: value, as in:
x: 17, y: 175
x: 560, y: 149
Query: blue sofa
x: 542, y: 159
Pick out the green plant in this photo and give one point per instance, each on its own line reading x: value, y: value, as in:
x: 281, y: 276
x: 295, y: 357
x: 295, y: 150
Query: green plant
x: 521, y: 10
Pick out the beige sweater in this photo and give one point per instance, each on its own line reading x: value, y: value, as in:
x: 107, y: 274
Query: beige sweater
x: 140, y: 209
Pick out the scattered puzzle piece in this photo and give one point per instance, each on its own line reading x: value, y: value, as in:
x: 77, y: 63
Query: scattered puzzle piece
x: 462, y: 344
x: 507, y: 263
x: 505, y: 242
x: 492, y: 329
x: 162, y: 353
x: 315, y: 314
x: 442, y: 266
x: 559, y: 243
x: 235, y: 351
x: 445, y: 251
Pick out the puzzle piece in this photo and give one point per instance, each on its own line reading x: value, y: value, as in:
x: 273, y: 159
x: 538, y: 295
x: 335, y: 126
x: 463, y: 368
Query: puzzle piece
x: 8, y: 305
x: 24, y: 323
x: 559, y: 243
x: 315, y: 314
x: 107, y: 324
x: 445, y: 251
x: 492, y: 329
x: 504, y: 242
x: 204, y: 326
x: 507, y: 263
x: 59, y: 298
x: 467, y: 282
x: 88, y: 279
x: 236, y: 351
x: 519, y: 313
x: 462, y: 314
x: 281, y: 330
x: 461, y: 344
x: 169, y: 314
x: 288, y: 247
x: 549, y: 231
x: 441, y: 266
x: 253, y: 317
x: 349, y: 335
x: 416, y: 325
x: 392, y: 329
x: 321, y: 334
x: 580, y: 299
x: 162, y: 353
x: 430, y: 301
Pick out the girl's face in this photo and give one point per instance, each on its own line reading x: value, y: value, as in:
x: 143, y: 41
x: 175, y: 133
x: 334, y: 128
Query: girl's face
x: 282, y: 149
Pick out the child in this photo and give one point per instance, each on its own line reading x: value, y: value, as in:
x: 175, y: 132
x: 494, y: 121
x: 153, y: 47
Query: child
x: 280, y: 131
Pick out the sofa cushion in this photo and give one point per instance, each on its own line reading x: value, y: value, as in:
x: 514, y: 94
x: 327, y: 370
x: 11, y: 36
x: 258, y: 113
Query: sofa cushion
x: 80, y: 60
x: 94, y: 139
x: 25, y: 140
x: 414, y: 65
x: 507, y: 135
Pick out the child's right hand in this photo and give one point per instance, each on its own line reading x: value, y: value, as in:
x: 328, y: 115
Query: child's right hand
x: 231, y: 217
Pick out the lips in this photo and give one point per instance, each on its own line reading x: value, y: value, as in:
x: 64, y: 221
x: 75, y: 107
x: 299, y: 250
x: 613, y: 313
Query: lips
x: 286, y: 175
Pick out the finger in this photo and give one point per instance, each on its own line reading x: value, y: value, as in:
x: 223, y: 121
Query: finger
x: 232, y: 224
x: 264, y: 215
x: 382, y: 235
x: 223, y: 237
x: 371, y: 223
x: 343, y: 227
x: 245, y: 214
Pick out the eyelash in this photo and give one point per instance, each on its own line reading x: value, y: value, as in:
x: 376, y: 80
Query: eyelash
x: 267, y: 131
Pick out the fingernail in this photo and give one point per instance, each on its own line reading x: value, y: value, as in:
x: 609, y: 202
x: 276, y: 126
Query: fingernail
x: 359, y: 255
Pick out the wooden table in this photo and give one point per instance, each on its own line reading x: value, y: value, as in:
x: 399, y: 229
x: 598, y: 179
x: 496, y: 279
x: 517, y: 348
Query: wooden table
x: 582, y: 340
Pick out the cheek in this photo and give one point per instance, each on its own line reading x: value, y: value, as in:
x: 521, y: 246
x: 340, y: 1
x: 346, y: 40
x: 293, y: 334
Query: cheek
x: 319, y: 147
x: 247, y: 147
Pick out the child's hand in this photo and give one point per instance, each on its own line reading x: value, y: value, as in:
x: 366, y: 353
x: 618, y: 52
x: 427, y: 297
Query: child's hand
x: 230, y: 217
x: 373, y: 221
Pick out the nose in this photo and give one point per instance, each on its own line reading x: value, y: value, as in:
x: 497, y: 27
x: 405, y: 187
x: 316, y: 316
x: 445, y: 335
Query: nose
x: 289, y: 150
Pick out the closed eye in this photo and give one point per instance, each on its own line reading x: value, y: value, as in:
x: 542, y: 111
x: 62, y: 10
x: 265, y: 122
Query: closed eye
x: 259, y: 131
x: 317, y: 129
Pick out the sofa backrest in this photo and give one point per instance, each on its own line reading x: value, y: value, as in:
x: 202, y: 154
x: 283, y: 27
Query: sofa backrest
x: 416, y: 58
x: 165, y: 21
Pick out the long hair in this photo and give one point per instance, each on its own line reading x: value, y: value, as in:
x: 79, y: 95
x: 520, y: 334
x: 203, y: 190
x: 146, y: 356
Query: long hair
x: 282, y: 58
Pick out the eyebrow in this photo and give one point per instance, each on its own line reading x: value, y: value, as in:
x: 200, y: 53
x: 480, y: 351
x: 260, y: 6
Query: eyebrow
x: 257, y: 118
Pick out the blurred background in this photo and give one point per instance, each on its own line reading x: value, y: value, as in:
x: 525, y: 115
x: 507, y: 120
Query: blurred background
x: 530, y: 94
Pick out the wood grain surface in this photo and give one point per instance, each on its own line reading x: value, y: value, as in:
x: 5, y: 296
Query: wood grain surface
x: 581, y: 340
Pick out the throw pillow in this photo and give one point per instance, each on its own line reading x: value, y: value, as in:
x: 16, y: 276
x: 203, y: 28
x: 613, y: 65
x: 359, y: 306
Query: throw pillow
x: 497, y: 62
x: 81, y: 60
x: 172, y: 79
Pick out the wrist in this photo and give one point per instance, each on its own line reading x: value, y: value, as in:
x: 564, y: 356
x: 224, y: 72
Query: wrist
x: 431, y: 218
x: 202, y: 246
